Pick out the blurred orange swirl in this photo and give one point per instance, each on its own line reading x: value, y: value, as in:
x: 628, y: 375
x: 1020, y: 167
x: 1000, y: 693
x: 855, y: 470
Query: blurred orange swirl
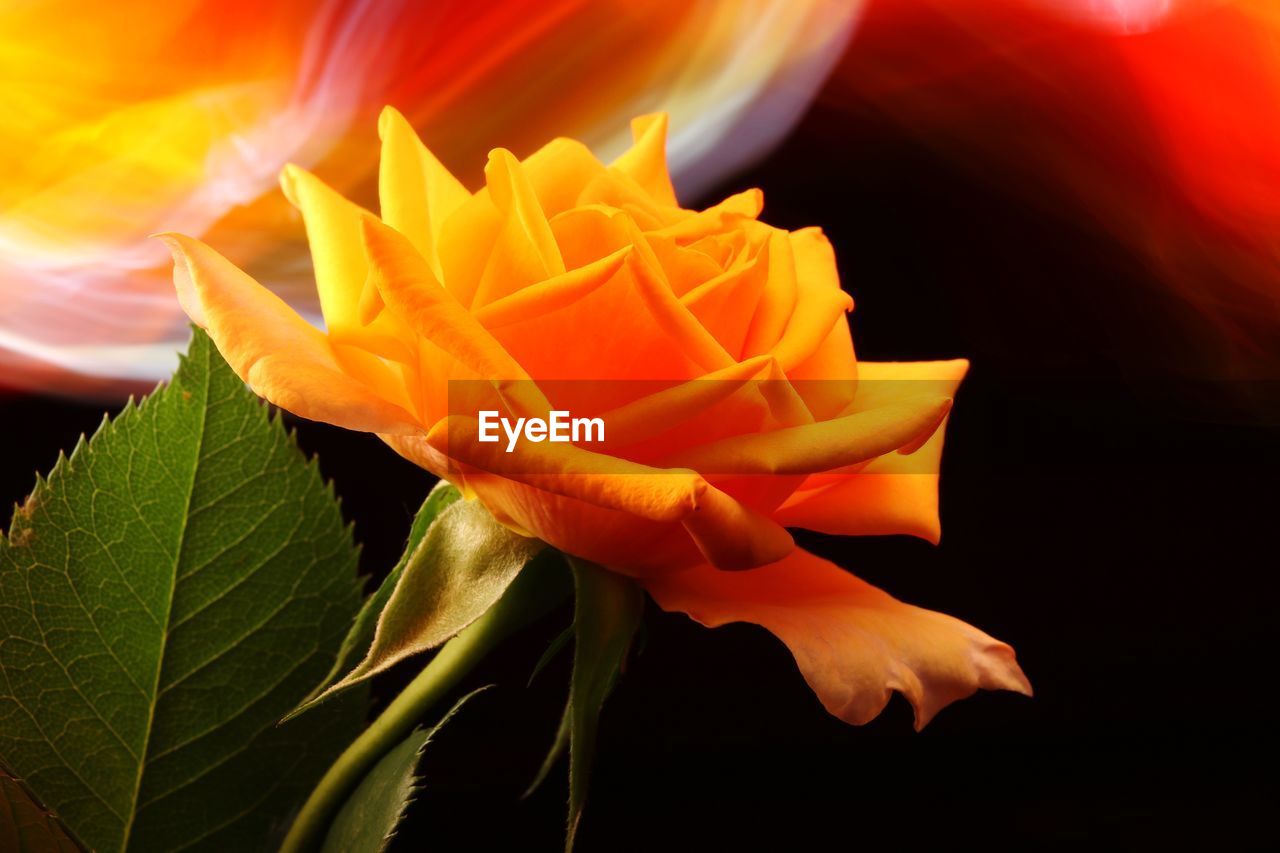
x: 118, y: 120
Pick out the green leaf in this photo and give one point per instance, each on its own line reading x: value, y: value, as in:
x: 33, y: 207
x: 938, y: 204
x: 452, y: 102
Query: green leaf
x: 549, y: 654
x: 558, y: 746
x: 561, y: 742
x: 607, y: 613
x: 26, y: 824
x: 368, y: 820
x: 458, y: 571
x: 177, y: 584
x: 538, y: 588
x: 356, y: 644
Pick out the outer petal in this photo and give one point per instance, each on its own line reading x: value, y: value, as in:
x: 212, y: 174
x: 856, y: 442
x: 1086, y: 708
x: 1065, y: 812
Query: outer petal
x: 895, y: 493
x: 333, y: 230
x: 352, y: 311
x: 748, y: 396
x: 646, y: 161
x: 824, y: 445
x: 729, y: 534
x: 854, y: 644
x: 279, y: 355
x: 416, y: 191
x: 820, y: 305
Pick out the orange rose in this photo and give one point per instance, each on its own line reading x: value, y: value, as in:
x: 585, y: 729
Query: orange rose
x: 721, y: 362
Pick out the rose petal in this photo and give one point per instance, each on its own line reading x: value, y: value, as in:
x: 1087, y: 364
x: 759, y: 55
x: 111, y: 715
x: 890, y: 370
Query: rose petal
x: 552, y: 294
x: 854, y: 644
x: 418, y: 194
x: 645, y: 162
x: 595, y: 533
x: 820, y: 303
x: 729, y: 534
x: 698, y: 344
x: 827, y: 379
x: 559, y: 171
x: 715, y: 219
x: 412, y: 292
x: 525, y: 251
x: 778, y: 301
x: 726, y: 303
x: 893, y: 494
x: 279, y: 355
x: 748, y: 396
x: 820, y: 446
x: 687, y: 267
x: 466, y: 244
x: 587, y: 234
x: 338, y: 256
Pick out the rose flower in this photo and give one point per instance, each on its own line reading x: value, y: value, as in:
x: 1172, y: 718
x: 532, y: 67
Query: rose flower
x: 713, y: 346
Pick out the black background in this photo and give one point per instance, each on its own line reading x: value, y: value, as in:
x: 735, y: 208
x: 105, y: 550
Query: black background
x: 1113, y: 523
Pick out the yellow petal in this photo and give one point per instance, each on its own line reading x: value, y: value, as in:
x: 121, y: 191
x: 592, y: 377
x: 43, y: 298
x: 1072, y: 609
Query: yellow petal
x: 646, y: 161
x: 552, y: 294
x: 466, y: 244
x: 853, y: 643
x: 411, y: 291
x: 652, y: 284
x: 820, y: 303
x: 333, y: 230
x: 748, y: 396
x: 593, y: 308
x: 726, y: 303
x: 418, y: 194
x: 828, y: 378
x: 821, y: 446
x: 559, y: 171
x: 894, y: 493
x: 567, y: 469
x: 614, y: 190
x: 778, y: 301
x: 589, y: 233
x: 686, y: 267
x: 729, y: 534
x: 525, y: 251
x: 717, y: 218
x: 270, y: 347
x: 594, y: 533
x: 337, y: 253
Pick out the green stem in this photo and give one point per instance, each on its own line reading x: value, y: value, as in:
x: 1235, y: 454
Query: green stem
x: 454, y: 660
x: 528, y: 597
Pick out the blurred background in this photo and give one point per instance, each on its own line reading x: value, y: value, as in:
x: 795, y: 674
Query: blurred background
x: 1080, y: 196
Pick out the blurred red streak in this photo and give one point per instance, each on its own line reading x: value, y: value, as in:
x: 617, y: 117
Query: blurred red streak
x: 1169, y: 140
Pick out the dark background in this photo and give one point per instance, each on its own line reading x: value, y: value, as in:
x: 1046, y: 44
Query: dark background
x: 1114, y: 523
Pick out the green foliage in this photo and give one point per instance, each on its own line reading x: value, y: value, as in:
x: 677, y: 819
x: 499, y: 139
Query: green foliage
x: 459, y: 570
x: 175, y: 586
x: 360, y: 636
x: 549, y: 654
x: 28, y: 825
x: 609, y: 607
x: 537, y: 587
x: 368, y: 820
